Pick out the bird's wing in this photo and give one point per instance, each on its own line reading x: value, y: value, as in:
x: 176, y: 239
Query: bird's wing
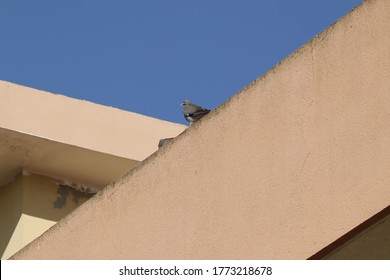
x: 200, y: 112
x: 192, y: 108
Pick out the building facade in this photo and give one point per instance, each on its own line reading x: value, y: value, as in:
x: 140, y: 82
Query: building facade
x: 294, y: 166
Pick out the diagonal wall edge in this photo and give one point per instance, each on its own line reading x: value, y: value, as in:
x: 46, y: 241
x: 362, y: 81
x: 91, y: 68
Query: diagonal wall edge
x: 279, y: 171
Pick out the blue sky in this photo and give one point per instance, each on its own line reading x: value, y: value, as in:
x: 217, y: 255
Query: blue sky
x: 146, y: 56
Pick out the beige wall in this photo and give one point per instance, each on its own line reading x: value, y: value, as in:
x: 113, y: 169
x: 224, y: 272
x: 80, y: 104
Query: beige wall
x: 81, y: 123
x: 92, y: 169
x: 29, y: 206
x: 294, y: 161
x: 79, y: 143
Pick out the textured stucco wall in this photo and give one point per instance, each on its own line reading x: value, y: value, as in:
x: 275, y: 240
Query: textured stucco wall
x: 279, y: 171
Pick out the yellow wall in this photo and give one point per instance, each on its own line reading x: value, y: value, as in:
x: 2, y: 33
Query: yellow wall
x: 29, y: 206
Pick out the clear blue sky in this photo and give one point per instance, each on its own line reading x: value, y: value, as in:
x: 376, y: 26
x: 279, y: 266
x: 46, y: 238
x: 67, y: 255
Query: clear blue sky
x: 146, y: 56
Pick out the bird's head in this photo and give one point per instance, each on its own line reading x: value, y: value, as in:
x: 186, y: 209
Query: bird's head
x: 185, y: 102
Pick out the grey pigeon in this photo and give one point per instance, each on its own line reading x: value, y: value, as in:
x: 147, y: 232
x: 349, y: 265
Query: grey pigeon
x: 192, y: 112
x: 163, y: 142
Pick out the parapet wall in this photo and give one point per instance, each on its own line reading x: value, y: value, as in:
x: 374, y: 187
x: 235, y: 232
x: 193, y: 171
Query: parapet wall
x: 285, y: 167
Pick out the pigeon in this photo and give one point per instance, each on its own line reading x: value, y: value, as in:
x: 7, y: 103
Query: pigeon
x: 163, y: 142
x: 192, y: 112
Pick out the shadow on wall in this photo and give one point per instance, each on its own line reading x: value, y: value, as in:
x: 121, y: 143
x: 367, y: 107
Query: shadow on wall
x: 31, y: 197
